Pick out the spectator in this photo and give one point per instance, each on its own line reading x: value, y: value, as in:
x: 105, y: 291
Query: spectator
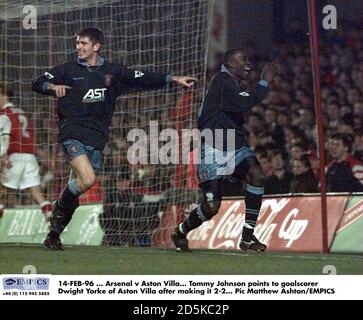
x: 294, y: 135
x: 255, y: 122
x: 270, y: 120
x: 358, y: 108
x: 279, y: 181
x: 263, y: 159
x: 307, y: 121
x: 304, y: 180
x: 346, y: 125
x: 297, y: 151
x: 358, y: 114
x: 353, y: 96
x: 314, y: 163
x: 333, y: 114
x: 345, y: 173
x: 278, y: 134
x: 358, y: 144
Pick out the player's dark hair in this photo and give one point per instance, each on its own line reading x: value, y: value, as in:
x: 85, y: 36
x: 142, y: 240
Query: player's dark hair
x: 4, y: 90
x: 229, y: 55
x: 94, y: 34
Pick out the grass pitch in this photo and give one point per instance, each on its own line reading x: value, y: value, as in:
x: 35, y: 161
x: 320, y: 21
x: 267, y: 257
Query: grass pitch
x: 131, y: 261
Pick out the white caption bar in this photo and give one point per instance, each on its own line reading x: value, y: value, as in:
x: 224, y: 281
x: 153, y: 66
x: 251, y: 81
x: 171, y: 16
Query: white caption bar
x: 173, y: 287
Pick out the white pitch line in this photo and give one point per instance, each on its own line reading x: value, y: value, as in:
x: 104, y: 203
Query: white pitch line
x: 297, y: 256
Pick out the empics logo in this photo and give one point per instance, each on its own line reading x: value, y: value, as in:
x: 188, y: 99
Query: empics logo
x: 23, y: 283
x: 94, y: 95
x: 9, y: 282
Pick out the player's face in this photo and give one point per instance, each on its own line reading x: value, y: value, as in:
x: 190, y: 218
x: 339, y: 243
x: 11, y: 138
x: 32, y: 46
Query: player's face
x: 86, y: 48
x: 242, y: 66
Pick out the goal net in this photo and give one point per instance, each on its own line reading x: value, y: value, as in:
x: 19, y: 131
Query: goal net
x: 141, y: 202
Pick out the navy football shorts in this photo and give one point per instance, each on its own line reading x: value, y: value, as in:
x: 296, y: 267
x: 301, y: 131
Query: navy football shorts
x: 73, y: 149
x: 217, y: 164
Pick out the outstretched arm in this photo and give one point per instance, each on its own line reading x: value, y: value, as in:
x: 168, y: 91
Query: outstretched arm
x: 184, y: 80
x: 144, y: 80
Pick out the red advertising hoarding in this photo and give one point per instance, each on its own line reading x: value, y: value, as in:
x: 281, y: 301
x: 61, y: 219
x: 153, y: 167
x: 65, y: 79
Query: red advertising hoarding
x: 285, y: 224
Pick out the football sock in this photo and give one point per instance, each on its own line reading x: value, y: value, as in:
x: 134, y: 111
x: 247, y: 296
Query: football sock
x: 194, y: 220
x: 67, y: 203
x: 69, y: 195
x: 253, y: 201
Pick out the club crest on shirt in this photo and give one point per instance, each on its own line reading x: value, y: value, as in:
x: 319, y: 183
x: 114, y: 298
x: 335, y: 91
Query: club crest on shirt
x: 205, y: 174
x: 108, y: 79
x: 74, y: 149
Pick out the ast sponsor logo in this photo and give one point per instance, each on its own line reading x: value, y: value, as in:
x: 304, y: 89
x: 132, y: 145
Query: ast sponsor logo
x: 94, y: 95
x: 25, y: 283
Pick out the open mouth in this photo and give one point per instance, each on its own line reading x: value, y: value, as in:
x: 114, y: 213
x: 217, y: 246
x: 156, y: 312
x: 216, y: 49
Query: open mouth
x: 246, y: 71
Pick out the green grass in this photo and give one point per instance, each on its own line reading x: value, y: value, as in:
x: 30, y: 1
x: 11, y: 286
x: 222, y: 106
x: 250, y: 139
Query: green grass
x: 120, y: 260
